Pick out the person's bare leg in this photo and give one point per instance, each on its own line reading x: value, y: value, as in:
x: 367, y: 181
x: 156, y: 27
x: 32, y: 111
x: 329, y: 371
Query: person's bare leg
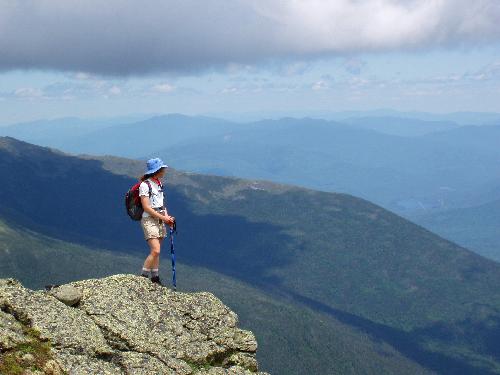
x: 153, y: 258
x: 156, y: 261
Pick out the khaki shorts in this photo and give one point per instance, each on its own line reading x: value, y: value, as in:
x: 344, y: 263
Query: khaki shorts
x: 153, y: 228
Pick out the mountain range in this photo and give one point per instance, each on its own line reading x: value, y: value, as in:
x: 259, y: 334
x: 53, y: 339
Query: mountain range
x: 416, y: 167
x: 314, y: 274
x: 434, y: 170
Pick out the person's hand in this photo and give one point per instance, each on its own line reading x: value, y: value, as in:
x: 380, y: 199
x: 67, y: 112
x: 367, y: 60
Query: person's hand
x: 169, y: 220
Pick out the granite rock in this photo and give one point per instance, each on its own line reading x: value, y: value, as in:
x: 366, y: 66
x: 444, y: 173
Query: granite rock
x: 67, y: 294
x: 124, y: 324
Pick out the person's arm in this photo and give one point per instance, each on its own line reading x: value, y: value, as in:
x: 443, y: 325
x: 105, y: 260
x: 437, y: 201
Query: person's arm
x: 146, y: 206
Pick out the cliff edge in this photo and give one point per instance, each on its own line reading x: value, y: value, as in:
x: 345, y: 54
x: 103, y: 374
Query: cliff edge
x: 122, y: 324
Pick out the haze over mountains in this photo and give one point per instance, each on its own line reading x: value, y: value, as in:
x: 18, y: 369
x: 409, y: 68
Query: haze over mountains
x: 474, y: 227
x: 315, y: 273
x: 459, y: 118
x: 417, y: 165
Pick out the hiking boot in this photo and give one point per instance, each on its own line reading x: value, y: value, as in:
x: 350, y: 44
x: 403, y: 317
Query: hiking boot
x: 143, y: 275
x: 156, y: 280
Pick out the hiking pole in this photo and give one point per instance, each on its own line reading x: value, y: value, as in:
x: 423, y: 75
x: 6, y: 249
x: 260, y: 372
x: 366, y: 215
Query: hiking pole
x: 173, y: 229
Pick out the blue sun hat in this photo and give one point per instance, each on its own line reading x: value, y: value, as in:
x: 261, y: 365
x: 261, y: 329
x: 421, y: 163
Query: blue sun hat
x: 155, y: 164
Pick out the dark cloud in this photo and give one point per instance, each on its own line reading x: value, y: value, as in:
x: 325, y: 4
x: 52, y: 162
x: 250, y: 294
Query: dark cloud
x: 123, y: 37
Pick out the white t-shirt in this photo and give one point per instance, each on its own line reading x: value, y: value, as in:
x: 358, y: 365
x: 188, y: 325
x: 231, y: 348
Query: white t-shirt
x: 156, y: 198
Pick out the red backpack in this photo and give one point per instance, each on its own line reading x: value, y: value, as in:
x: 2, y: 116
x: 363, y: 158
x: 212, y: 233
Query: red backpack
x: 133, y: 201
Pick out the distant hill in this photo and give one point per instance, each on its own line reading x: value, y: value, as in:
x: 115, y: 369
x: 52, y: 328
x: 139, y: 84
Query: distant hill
x: 338, y: 256
x: 131, y: 139
x: 61, y: 131
x: 460, y: 118
x: 404, y: 127
x: 474, y: 227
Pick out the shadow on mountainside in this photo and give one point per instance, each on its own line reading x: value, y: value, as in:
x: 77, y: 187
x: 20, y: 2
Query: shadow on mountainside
x: 76, y: 200
x: 410, y: 343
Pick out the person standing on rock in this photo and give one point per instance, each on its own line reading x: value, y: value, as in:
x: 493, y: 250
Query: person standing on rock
x: 155, y: 215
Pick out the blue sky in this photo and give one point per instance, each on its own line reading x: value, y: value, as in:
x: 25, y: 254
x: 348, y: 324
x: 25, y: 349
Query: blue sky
x: 263, y: 66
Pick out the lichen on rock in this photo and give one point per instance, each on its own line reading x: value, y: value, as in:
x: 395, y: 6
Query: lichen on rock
x: 11, y: 332
x: 124, y: 324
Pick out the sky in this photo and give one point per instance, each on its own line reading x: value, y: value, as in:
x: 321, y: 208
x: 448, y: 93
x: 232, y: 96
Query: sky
x: 90, y: 58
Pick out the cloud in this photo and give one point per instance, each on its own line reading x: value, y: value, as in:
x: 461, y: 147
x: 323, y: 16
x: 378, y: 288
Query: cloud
x: 294, y: 69
x: 229, y: 90
x: 125, y: 37
x: 163, y: 88
x: 115, y: 90
x: 82, y: 86
x: 320, y: 85
x: 488, y: 73
x: 28, y: 92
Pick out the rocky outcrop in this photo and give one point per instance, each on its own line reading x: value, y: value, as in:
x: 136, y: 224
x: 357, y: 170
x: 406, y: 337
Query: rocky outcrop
x: 124, y: 324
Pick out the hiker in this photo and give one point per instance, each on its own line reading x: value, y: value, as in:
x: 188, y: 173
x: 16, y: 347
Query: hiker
x: 155, y: 215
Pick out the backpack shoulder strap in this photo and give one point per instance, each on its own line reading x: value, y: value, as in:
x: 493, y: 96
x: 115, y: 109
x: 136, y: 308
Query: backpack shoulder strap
x: 149, y: 186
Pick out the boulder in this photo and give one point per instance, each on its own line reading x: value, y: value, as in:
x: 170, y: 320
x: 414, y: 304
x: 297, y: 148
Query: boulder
x: 124, y: 324
x: 67, y: 294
